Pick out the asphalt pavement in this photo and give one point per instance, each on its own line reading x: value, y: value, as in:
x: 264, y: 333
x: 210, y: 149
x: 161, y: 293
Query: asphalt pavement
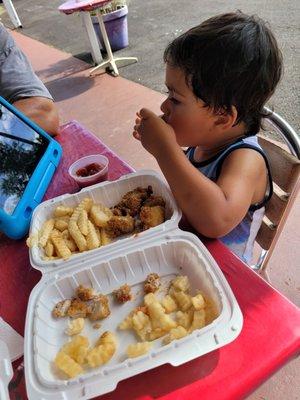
x: 152, y: 25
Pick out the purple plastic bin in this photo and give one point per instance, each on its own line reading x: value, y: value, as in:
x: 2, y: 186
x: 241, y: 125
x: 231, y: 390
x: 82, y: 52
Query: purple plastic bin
x: 116, y: 28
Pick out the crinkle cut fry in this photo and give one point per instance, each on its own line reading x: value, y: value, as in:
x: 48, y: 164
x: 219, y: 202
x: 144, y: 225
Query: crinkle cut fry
x: 46, y: 231
x: 61, y: 211
x: 66, y: 364
x: 82, y: 222
x: 78, y: 237
x: 92, y: 237
x: 60, y: 245
x: 60, y: 224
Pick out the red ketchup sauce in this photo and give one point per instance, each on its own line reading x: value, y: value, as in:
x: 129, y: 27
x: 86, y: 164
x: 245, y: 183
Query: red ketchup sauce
x: 88, y: 170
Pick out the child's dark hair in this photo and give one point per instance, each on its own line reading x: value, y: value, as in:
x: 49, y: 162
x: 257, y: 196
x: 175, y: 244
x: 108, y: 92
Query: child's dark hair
x: 230, y: 60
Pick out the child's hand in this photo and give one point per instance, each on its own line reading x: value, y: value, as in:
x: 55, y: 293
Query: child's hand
x: 153, y: 132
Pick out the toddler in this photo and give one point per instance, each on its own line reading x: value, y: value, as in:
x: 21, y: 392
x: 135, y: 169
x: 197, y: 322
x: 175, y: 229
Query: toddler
x: 219, y: 75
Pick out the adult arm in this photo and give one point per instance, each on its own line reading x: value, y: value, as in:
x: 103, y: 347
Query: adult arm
x: 20, y: 86
x: 42, y: 111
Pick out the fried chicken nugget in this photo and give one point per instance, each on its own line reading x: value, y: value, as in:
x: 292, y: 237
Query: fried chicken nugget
x: 152, y: 216
x: 133, y: 200
x: 85, y: 293
x: 154, y: 201
x: 61, y: 308
x: 78, y: 309
x: 98, y: 307
x: 118, y: 226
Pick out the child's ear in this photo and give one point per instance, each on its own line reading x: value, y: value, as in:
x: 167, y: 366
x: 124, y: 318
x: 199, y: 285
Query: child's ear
x: 225, y: 119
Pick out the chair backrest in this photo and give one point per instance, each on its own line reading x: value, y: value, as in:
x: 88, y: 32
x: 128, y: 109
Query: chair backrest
x: 285, y: 170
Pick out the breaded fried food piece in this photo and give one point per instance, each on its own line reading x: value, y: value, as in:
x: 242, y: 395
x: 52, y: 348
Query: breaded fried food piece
x: 152, y: 216
x: 152, y: 283
x: 154, y: 201
x: 98, y: 307
x: 118, y: 226
x: 133, y: 200
x: 85, y: 293
x: 78, y: 309
x: 123, y: 294
x: 100, y: 215
x: 61, y: 308
x: 120, y: 212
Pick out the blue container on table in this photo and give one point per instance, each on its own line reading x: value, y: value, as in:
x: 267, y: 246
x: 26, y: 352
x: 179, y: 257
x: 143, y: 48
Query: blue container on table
x: 28, y: 160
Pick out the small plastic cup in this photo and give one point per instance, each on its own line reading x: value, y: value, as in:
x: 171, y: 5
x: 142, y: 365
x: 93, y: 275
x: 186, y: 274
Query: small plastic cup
x: 80, y: 166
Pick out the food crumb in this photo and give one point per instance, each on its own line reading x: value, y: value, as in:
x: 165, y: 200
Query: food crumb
x: 97, y: 325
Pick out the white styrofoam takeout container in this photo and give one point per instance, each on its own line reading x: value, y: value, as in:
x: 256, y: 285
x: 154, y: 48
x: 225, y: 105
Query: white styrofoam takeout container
x: 165, y: 250
x: 6, y: 371
x: 109, y: 194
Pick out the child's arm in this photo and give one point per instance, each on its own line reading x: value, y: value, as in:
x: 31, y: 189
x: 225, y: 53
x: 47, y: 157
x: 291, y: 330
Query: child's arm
x: 213, y: 209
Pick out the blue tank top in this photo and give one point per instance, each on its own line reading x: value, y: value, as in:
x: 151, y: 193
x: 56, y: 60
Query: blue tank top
x: 241, y: 239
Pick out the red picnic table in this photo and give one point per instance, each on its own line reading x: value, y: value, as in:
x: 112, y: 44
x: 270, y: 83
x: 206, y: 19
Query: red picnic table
x: 270, y: 334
